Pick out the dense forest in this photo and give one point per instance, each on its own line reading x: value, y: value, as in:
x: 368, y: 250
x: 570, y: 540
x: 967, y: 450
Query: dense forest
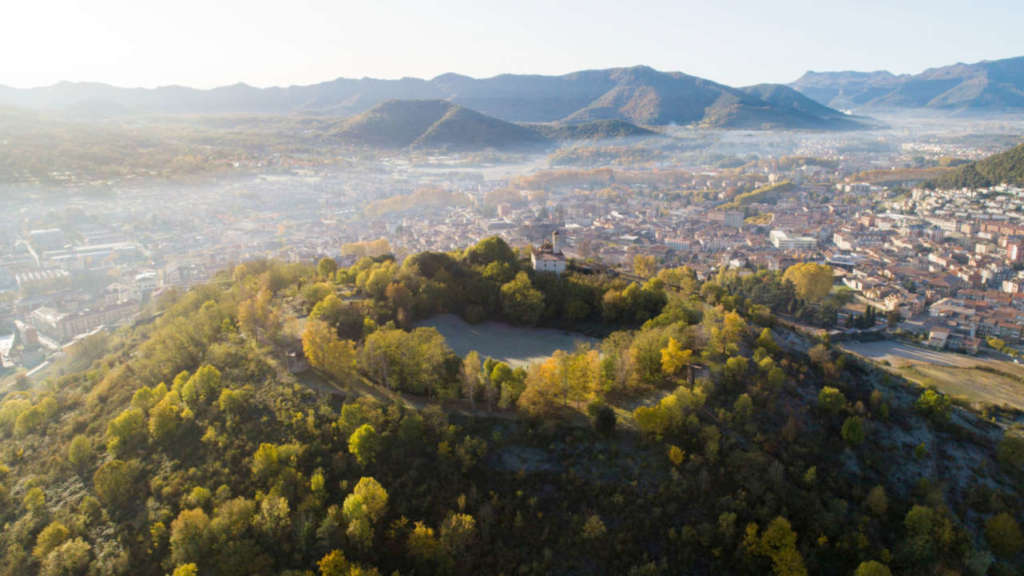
x: 295, y: 419
x: 1004, y: 167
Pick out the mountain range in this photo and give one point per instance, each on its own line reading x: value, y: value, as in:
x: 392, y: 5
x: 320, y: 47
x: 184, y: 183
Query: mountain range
x: 637, y: 95
x: 991, y: 85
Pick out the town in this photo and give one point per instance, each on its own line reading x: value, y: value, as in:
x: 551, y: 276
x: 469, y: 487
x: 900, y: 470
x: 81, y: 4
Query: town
x: 940, y: 266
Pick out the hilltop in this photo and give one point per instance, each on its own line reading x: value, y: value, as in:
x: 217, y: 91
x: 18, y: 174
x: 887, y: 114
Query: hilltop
x: 639, y: 95
x: 289, y: 418
x: 991, y: 85
x: 441, y: 125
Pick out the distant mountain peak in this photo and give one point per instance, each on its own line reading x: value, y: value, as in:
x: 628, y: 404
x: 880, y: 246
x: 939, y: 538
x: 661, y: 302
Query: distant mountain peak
x: 635, y: 94
x: 989, y: 85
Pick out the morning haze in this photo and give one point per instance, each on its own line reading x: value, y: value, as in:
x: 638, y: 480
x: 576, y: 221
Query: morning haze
x: 454, y: 288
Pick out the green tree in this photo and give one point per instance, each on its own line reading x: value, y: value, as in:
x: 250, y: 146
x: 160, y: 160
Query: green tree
x: 602, y: 418
x: 363, y: 508
x: 853, y: 430
x: 1004, y: 535
x: 326, y: 267
x: 126, y: 433
x: 69, y: 559
x: 877, y: 501
x: 55, y: 534
x: 334, y: 563
x: 490, y: 250
x: 831, y: 400
x: 273, y: 519
x: 458, y: 532
x: 116, y: 484
x: 202, y: 389
x: 166, y: 419
x: 80, y: 453
x: 766, y: 341
x: 364, y: 444
x: 189, y: 536
x: 520, y: 301
x: 933, y: 405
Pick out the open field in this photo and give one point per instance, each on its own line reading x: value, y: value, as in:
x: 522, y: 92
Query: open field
x: 980, y: 380
x: 513, y: 344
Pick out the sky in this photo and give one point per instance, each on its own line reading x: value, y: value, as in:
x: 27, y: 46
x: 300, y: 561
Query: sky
x: 207, y: 43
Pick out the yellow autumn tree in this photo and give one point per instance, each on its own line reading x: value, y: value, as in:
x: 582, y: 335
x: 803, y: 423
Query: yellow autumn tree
x: 674, y: 358
x: 812, y: 281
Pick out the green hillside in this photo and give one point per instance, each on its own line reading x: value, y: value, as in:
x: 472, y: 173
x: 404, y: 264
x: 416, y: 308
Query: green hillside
x: 697, y: 438
x: 1004, y: 167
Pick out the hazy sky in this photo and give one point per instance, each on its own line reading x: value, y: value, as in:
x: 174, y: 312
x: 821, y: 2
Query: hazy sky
x: 207, y: 43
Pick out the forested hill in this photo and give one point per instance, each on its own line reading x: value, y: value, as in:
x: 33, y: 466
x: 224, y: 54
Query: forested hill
x: 1005, y: 167
x: 284, y: 419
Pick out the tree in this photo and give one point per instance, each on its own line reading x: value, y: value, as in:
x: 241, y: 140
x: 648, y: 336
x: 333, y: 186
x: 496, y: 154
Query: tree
x: 1011, y: 450
x: 326, y: 352
x: 34, y: 501
x: 189, y: 569
x: 273, y: 518
x: 877, y: 501
x: 363, y: 508
x: 766, y: 341
x: 458, y: 532
x: 594, y: 528
x: 490, y: 250
x: 364, y: 444
x: 471, y: 376
x: 812, y: 281
x: 80, y: 453
x: 924, y: 527
x: 734, y: 329
x: 545, y: 382
x: 520, y: 301
x: 116, y: 484
x: 202, y: 389
x: 55, y: 534
x: 853, y: 430
x: 674, y: 358
x: 126, y: 433
x: 189, y: 536
x: 645, y: 265
x: 676, y: 455
x: 424, y: 546
x: 831, y: 400
x: 166, y: 418
x: 735, y: 372
x: 933, y: 405
x: 872, y: 568
x: 602, y: 418
x: 1004, y: 535
x: 778, y: 542
x: 326, y: 267
x: 743, y: 408
x: 330, y: 310
x: 69, y: 559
